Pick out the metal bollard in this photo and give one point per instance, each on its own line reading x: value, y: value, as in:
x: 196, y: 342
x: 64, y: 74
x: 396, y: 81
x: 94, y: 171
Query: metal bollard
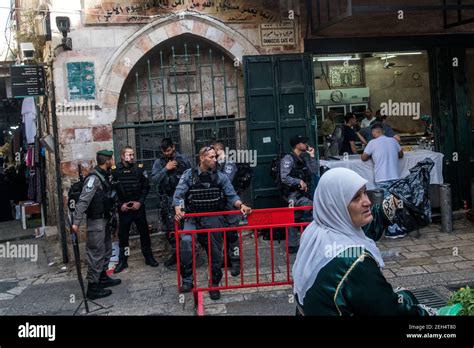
x: 446, y: 208
x: 376, y: 196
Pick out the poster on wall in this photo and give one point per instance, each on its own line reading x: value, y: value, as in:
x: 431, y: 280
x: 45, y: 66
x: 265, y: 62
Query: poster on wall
x: 81, y: 80
x: 279, y: 34
x: 144, y: 11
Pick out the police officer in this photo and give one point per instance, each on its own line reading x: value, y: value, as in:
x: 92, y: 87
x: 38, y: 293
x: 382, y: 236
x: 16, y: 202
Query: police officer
x: 204, y: 189
x: 296, y: 171
x: 166, y: 172
x: 94, y: 201
x: 229, y: 169
x: 132, y: 189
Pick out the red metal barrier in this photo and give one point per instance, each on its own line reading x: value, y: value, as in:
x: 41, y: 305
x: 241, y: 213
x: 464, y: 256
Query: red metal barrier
x: 259, y: 219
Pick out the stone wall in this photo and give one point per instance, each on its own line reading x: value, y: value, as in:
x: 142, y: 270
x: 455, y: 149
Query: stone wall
x: 115, y: 50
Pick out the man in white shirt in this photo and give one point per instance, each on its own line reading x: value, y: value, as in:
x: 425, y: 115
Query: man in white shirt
x: 385, y: 153
x: 368, y: 120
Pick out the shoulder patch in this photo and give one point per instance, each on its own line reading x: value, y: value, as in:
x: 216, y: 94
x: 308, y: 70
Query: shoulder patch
x: 228, y: 168
x: 286, y: 163
x: 90, y: 183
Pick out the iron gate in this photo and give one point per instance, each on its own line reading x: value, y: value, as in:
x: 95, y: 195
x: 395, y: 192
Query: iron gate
x: 189, y: 93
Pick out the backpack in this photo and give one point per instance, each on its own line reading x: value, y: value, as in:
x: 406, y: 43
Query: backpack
x: 243, y: 177
x: 76, y: 189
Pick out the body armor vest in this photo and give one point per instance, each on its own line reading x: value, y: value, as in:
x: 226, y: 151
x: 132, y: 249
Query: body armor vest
x: 205, y: 194
x: 128, y: 182
x: 168, y: 186
x: 299, y: 171
x: 101, y: 204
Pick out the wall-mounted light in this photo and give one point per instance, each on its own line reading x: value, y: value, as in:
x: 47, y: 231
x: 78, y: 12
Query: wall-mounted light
x: 336, y: 58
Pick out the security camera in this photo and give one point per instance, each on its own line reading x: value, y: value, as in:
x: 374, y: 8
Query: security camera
x: 63, y: 24
x: 27, y: 51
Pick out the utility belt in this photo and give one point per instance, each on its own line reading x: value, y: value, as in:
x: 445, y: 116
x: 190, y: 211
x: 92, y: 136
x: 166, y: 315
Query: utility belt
x: 96, y: 216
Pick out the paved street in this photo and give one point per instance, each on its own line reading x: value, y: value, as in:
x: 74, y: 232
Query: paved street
x: 433, y: 261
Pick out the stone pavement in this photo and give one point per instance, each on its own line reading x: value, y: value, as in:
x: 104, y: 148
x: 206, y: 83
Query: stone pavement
x: 435, y: 260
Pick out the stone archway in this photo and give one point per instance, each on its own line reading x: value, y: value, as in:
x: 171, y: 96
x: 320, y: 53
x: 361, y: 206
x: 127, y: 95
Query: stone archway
x: 127, y: 55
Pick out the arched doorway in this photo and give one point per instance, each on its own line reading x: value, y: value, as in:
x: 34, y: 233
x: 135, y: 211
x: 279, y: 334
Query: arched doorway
x: 186, y: 88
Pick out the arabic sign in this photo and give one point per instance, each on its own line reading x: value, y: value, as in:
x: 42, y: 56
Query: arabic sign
x: 27, y: 81
x: 81, y: 80
x: 279, y: 34
x: 143, y: 11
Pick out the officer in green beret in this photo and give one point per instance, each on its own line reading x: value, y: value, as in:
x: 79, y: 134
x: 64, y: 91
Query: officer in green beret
x: 95, y: 202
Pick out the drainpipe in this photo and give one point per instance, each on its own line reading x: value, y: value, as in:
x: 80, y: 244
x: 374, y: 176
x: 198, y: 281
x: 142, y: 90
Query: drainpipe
x: 62, y: 223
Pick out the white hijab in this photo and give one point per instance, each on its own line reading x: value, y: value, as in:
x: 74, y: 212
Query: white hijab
x: 332, y: 227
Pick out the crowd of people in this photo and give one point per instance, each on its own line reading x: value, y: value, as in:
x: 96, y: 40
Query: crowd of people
x: 347, y: 283
x: 182, y: 189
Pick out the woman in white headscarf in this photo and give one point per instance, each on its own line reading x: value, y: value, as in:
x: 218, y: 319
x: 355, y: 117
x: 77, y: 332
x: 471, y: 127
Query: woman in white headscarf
x: 338, y: 266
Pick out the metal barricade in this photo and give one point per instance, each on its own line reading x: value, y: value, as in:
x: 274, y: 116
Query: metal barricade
x: 259, y: 219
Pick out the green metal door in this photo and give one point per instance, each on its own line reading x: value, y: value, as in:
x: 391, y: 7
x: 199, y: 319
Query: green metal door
x: 279, y: 97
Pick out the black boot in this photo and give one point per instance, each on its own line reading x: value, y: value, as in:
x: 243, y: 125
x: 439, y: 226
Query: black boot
x: 105, y: 281
x: 150, y: 260
x: 122, y: 264
x: 95, y: 291
x: 171, y: 261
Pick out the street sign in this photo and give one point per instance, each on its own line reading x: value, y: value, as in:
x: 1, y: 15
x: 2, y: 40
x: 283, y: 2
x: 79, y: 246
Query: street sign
x: 27, y: 81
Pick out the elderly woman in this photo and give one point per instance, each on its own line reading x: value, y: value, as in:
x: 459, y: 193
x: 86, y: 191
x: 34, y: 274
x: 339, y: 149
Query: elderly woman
x: 338, y: 268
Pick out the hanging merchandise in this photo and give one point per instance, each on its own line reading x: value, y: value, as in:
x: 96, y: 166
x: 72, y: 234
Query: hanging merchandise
x: 28, y: 112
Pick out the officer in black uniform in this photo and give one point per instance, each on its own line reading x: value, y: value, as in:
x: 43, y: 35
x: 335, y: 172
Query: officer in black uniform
x: 204, y: 189
x: 96, y: 202
x: 132, y: 189
x: 229, y: 169
x: 166, y: 173
x: 296, y: 172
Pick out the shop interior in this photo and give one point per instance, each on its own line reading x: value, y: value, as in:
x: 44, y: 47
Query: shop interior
x: 21, y: 192
x: 354, y: 82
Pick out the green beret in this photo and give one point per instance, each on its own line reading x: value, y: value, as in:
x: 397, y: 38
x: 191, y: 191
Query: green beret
x: 107, y: 153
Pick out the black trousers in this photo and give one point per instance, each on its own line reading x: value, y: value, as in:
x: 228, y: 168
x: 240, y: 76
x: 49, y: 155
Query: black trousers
x: 125, y: 222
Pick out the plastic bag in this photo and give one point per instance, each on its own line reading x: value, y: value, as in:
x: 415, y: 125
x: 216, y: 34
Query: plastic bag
x: 413, y: 192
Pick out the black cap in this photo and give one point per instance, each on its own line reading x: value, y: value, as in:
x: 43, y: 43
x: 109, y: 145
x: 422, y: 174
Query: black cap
x: 298, y: 139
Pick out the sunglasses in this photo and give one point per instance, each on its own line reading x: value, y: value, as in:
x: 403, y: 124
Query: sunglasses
x: 209, y: 148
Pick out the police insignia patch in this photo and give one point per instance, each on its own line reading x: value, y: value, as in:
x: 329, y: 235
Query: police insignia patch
x: 228, y: 169
x: 90, y: 184
x: 287, y: 164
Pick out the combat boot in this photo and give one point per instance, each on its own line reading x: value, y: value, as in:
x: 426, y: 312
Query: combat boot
x: 95, y: 291
x: 122, y: 264
x: 105, y: 281
x: 150, y: 260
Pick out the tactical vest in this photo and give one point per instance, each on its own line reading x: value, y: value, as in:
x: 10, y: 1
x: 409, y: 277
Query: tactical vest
x: 299, y: 171
x: 128, y: 182
x: 205, y: 194
x: 100, y: 205
x: 173, y: 176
